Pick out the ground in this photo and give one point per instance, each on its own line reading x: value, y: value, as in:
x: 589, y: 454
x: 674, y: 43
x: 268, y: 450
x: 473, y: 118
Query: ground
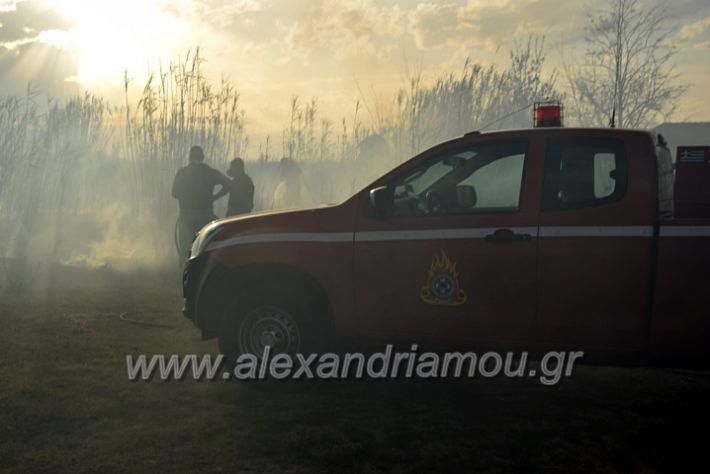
x: 66, y: 405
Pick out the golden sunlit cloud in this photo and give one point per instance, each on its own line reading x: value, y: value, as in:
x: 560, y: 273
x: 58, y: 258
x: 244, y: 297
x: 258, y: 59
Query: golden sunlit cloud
x: 274, y: 50
x: 110, y: 36
x: 7, y: 6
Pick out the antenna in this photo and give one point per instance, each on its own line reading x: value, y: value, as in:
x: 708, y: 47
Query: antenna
x: 612, y: 120
x: 504, y: 117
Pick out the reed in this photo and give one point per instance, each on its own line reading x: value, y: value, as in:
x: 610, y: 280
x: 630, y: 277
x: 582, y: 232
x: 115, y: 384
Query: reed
x: 82, y: 180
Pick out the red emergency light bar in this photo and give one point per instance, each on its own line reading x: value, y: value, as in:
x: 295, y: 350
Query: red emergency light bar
x: 548, y: 114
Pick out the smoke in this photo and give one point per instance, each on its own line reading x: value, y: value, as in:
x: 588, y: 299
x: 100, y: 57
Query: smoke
x: 106, y: 224
x: 84, y: 183
x: 111, y: 238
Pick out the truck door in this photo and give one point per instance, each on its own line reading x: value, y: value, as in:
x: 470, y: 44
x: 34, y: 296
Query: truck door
x: 595, y: 242
x: 455, y: 258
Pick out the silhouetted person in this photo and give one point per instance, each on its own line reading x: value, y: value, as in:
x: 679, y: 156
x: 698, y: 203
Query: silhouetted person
x: 374, y: 158
x: 290, y: 191
x: 241, y: 190
x: 194, y: 187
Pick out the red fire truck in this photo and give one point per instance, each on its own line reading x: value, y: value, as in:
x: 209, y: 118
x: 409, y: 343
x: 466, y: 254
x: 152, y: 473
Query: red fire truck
x: 547, y: 238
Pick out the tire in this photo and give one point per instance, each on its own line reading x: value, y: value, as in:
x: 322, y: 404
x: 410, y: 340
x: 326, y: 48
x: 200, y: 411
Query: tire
x: 268, y: 316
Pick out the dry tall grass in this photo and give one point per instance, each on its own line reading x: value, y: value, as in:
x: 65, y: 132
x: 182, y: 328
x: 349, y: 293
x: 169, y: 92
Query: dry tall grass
x: 87, y: 182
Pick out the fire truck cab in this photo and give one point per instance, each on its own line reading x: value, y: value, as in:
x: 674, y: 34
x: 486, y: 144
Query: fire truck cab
x: 536, y: 239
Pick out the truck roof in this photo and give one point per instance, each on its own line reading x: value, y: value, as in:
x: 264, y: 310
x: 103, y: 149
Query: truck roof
x: 572, y: 130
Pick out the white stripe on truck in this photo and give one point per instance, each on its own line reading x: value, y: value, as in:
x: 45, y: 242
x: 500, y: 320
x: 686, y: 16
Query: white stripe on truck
x: 436, y: 234
x: 597, y: 231
x: 685, y: 231
x: 461, y: 233
x: 282, y: 237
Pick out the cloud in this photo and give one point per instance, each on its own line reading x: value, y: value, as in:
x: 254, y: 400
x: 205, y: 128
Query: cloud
x: 273, y: 49
x: 38, y: 63
x: 8, y: 5
x: 59, y: 39
x: 219, y: 14
x: 487, y: 23
x: 33, y: 44
x: 346, y: 26
x: 25, y: 21
x: 435, y: 24
x: 693, y: 29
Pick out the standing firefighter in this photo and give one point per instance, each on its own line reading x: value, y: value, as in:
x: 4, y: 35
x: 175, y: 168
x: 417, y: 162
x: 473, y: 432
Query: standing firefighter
x: 194, y: 188
x: 290, y: 192
x: 241, y: 192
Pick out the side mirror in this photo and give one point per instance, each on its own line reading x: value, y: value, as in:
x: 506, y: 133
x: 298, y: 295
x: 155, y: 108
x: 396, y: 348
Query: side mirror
x: 466, y: 196
x: 381, y: 200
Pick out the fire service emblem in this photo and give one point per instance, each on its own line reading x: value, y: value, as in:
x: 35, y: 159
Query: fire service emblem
x: 442, y: 285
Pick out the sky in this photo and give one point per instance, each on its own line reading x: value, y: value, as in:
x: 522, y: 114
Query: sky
x: 337, y: 51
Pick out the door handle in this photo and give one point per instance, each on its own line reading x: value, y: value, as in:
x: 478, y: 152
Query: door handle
x: 507, y: 236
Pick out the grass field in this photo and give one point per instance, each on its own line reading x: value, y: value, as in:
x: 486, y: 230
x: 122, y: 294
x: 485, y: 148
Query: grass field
x: 66, y: 405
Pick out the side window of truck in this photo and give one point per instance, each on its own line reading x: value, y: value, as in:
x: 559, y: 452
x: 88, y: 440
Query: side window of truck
x: 583, y: 172
x: 480, y: 178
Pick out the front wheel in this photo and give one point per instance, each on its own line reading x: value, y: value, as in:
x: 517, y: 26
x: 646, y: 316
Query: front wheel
x: 260, y: 319
x: 269, y: 326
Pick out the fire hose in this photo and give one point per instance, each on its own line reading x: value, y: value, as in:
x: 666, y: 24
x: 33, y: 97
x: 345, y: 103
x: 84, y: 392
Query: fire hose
x: 125, y: 317
x: 176, y: 237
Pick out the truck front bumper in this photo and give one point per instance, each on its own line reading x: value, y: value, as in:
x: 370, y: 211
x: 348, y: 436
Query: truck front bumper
x: 194, y: 275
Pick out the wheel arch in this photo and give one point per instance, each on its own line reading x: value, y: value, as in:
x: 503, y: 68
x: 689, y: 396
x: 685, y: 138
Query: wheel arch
x: 224, y: 284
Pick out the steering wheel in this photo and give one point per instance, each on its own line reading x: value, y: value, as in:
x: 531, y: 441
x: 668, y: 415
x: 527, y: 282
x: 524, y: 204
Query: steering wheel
x: 433, y: 201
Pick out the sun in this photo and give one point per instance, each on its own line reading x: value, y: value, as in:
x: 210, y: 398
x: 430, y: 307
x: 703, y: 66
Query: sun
x: 111, y: 36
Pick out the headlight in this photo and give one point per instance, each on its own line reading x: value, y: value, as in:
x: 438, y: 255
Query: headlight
x: 204, y: 236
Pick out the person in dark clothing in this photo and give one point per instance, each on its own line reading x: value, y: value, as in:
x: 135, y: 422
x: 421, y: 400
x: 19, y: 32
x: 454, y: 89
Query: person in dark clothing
x: 241, y: 191
x: 194, y: 187
x: 290, y: 192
